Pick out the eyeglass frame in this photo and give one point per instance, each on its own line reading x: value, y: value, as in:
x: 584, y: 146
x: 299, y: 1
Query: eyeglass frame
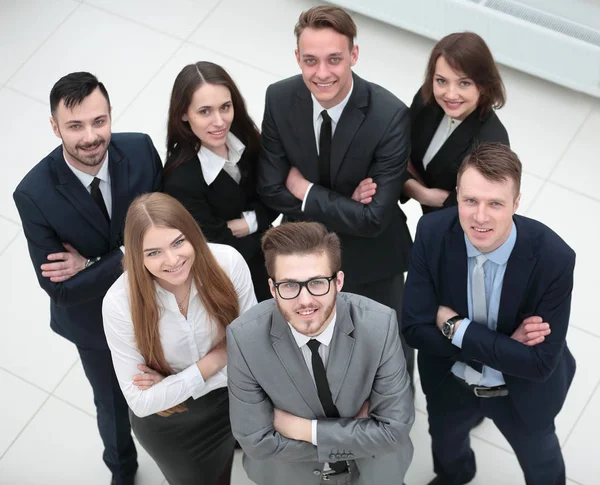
x: 304, y: 284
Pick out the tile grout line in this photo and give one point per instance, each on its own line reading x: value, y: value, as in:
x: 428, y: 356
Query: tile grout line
x: 3, y: 250
x: 161, y: 67
x: 581, y: 414
x: 51, y: 394
x: 43, y: 43
x: 591, y: 334
x: 28, y: 96
x: 8, y: 219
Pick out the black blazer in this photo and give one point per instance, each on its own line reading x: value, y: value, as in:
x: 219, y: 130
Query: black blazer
x: 538, y: 281
x: 215, y: 204
x: 55, y: 207
x: 371, y: 140
x: 442, y: 169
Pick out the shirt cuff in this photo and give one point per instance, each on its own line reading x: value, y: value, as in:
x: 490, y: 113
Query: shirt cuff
x: 313, y: 434
x: 460, y: 332
x: 192, y: 377
x: 306, y: 196
x: 250, y: 217
x: 122, y: 248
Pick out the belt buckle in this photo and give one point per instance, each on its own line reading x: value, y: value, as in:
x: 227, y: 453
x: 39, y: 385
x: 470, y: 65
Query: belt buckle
x: 478, y: 389
x: 325, y: 475
x: 489, y: 392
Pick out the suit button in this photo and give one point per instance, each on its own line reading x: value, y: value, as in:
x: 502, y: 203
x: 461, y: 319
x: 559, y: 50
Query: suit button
x: 350, y: 455
x: 338, y: 455
x: 316, y: 472
x: 331, y: 456
x: 344, y: 456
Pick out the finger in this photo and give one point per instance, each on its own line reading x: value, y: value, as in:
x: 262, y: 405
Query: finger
x: 58, y: 274
x: 366, y: 193
x: 55, y: 256
x: 68, y: 247
x: 368, y: 200
x: 368, y: 180
x: 533, y: 319
x: 144, y: 388
x: 535, y: 327
x: 538, y: 340
x: 54, y: 266
x: 146, y: 369
x: 59, y: 279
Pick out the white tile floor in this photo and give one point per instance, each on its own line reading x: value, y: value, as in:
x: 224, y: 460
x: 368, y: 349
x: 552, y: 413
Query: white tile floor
x: 136, y: 47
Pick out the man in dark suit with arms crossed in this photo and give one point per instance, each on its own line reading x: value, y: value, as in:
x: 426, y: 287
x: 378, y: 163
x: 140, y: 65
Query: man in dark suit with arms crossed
x: 335, y: 150
x: 488, y: 299
x: 72, y: 205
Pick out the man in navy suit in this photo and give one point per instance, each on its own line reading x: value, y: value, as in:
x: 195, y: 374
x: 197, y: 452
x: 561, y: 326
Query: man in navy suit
x: 487, y: 304
x: 73, y: 205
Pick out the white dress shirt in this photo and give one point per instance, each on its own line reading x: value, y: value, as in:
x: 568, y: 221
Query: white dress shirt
x: 443, y: 132
x: 103, y: 174
x: 184, y: 341
x: 325, y: 339
x: 334, y: 113
x: 212, y: 164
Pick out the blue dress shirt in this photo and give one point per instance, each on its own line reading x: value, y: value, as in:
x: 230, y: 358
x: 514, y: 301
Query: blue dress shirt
x: 494, y: 269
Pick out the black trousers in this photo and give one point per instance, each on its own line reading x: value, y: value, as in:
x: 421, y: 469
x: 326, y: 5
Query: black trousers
x: 120, y: 454
x: 194, y: 447
x: 453, y: 411
x: 388, y: 292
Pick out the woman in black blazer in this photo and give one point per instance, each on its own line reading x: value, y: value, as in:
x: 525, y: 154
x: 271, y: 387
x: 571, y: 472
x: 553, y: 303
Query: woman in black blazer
x: 212, y: 150
x: 451, y: 114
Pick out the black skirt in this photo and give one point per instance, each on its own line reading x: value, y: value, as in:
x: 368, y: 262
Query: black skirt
x: 190, y: 448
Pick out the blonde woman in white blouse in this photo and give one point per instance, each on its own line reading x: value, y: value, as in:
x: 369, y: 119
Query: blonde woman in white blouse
x: 165, y: 321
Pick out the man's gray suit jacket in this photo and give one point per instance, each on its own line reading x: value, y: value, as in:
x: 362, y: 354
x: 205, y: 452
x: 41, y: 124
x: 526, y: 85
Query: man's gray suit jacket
x: 266, y: 370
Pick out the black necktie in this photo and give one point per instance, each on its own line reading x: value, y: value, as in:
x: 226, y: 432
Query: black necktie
x: 324, y: 392
x: 325, y: 150
x: 97, y: 196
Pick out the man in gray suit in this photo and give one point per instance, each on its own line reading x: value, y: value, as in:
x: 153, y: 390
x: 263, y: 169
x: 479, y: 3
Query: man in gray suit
x: 319, y: 391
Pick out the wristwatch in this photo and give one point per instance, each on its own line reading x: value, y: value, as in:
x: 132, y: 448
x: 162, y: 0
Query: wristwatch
x: 91, y: 261
x: 448, y: 326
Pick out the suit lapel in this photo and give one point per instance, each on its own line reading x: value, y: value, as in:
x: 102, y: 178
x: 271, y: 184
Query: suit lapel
x: 77, y: 195
x: 119, y: 182
x: 342, y: 346
x: 425, y: 126
x: 292, y: 360
x: 456, y: 144
x: 456, y: 269
x: 516, y: 278
x: 303, y: 124
x: 349, y: 123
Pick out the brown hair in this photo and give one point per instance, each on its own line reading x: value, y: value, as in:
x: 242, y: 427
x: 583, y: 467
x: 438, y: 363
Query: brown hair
x: 182, y: 143
x: 215, y: 289
x: 301, y: 238
x: 468, y: 53
x: 327, y: 16
x: 495, y: 162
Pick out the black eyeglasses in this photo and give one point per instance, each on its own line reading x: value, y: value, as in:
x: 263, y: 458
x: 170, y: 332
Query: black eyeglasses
x: 288, y: 290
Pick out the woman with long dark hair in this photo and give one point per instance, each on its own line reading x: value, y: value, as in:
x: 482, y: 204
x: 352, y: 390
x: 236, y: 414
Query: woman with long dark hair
x: 212, y: 152
x: 165, y: 321
x: 452, y: 113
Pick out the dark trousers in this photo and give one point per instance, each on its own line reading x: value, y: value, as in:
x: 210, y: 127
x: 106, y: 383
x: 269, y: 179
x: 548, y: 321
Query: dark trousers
x: 453, y: 411
x: 388, y: 292
x: 120, y: 454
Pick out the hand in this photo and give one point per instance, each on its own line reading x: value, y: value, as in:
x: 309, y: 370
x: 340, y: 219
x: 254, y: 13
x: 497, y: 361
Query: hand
x: 444, y: 313
x: 291, y: 426
x: 365, y: 191
x: 239, y: 227
x: 363, y: 413
x: 532, y: 331
x: 435, y: 197
x: 68, y: 265
x: 296, y: 183
x: 147, y: 378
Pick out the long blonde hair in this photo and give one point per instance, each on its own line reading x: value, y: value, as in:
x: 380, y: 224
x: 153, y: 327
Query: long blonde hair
x: 215, y: 289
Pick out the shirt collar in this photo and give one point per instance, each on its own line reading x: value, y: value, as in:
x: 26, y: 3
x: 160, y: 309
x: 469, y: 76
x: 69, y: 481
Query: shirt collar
x: 325, y: 337
x: 334, y: 113
x: 165, y: 297
x: 499, y: 255
x: 212, y: 163
x: 85, y: 178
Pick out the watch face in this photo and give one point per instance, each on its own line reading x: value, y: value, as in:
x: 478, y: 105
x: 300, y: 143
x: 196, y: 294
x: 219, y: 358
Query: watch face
x: 446, y: 329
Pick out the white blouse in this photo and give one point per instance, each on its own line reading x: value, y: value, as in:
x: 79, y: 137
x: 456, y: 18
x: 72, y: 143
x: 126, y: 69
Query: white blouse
x: 184, y: 341
x: 444, y: 130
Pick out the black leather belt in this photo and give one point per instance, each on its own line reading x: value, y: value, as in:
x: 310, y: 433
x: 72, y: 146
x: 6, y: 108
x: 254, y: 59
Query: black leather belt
x: 482, y: 391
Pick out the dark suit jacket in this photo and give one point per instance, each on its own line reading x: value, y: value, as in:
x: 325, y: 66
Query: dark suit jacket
x: 442, y: 169
x: 370, y: 140
x: 215, y: 204
x: 55, y: 207
x: 538, y: 281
